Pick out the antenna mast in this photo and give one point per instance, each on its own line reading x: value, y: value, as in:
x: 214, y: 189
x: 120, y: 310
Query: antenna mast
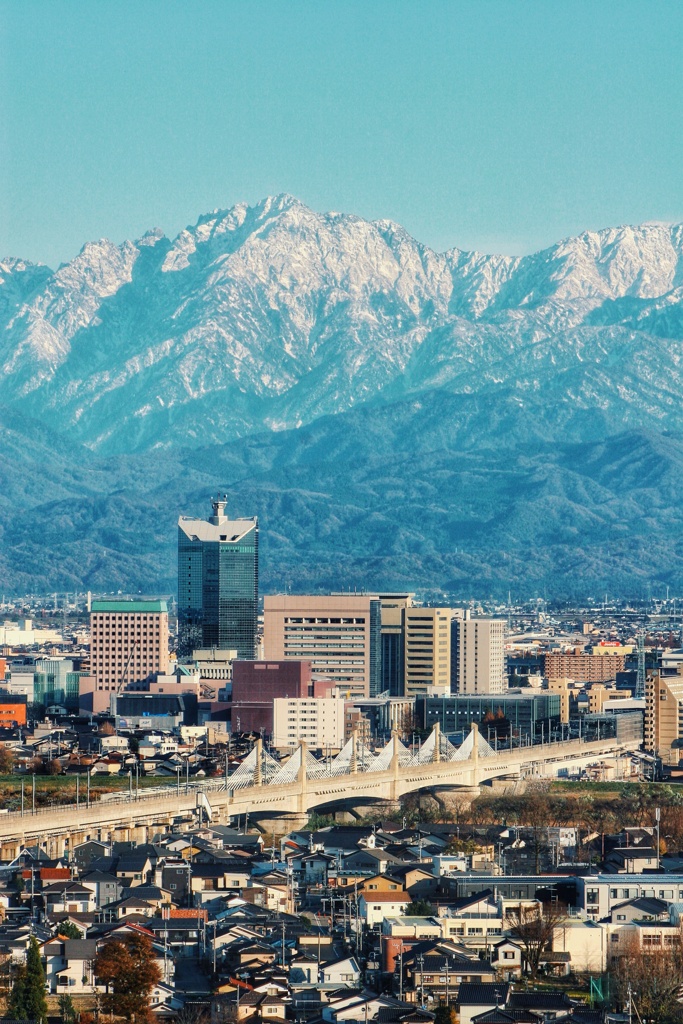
x: 640, y: 679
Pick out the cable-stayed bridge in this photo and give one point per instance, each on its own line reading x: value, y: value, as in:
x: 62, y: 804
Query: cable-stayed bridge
x: 264, y: 789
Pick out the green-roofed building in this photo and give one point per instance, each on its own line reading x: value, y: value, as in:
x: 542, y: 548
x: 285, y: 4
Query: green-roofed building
x: 128, y: 645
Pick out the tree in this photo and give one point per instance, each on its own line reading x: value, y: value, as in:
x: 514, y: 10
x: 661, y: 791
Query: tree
x: 533, y: 926
x: 69, y: 930
x: 654, y: 978
x: 67, y: 1009
x: 6, y: 760
x: 419, y: 908
x: 130, y: 972
x: 53, y: 767
x: 27, y: 998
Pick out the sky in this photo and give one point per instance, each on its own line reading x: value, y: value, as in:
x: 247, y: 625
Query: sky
x: 498, y: 125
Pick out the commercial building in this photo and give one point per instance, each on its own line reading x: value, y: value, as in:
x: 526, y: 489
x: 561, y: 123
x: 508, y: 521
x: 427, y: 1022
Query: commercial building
x: 583, y: 668
x: 427, y: 650
x: 218, y: 583
x: 56, y: 683
x: 319, y: 721
x: 664, y: 716
x: 12, y: 711
x: 386, y: 714
x: 257, y: 684
x: 599, y: 695
x: 393, y: 614
x: 162, y: 712
x: 340, y: 634
x: 563, y: 687
x: 478, y: 656
x: 128, y: 645
x: 524, y: 716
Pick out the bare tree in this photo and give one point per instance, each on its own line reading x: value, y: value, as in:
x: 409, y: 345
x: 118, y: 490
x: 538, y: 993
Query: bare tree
x: 653, y: 977
x: 532, y: 926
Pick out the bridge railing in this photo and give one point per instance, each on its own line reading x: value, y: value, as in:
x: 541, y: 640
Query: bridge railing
x: 260, y: 769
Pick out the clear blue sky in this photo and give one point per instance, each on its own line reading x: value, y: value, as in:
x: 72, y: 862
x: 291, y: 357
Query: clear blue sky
x: 502, y: 125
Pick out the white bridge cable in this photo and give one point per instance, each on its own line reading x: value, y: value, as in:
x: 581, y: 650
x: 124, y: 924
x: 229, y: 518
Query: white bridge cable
x: 289, y: 772
x: 246, y: 773
x: 464, y: 751
x: 383, y: 760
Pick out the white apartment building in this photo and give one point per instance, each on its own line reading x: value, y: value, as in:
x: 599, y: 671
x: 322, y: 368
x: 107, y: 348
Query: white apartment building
x: 319, y: 721
x: 479, y: 655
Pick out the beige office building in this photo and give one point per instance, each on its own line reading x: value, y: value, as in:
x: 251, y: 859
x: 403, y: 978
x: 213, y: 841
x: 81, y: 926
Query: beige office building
x: 339, y: 634
x: 128, y: 642
x: 479, y: 660
x: 564, y: 688
x: 664, y: 716
x: 318, y: 721
x: 427, y: 649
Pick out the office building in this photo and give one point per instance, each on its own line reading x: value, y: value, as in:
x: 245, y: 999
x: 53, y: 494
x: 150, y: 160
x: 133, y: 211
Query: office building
x: 478, y: 656
x: 128, y: 645
x: 664, y: 716
x: 563, y: 687
x: 257, y: 684
x: 583, y: 668
x: 318, y: 721
x: 218, y: 583
x: 518, y: 715
x: 13, y: 711
x: 393, y: 613
x: 340, y: 634
x: 56, y: 683
x: 427, y: 650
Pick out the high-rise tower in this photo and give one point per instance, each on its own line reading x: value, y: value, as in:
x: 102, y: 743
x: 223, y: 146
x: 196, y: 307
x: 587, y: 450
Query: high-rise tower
x: 218, y: 583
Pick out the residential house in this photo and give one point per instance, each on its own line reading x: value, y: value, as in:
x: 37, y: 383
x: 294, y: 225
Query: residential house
x: 374, y: 907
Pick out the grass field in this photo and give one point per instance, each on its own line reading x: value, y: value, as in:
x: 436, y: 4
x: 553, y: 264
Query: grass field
x: 61, y: 789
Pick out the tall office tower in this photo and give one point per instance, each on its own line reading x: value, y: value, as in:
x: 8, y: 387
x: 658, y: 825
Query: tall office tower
x: 340, y: 634
x: 478, y: 656
x: 218, y: 583
x: 128, y: 643
x: 393, y: 642
x: 428, y: 649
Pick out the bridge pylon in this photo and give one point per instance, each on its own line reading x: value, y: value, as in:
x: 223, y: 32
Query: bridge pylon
x: 436, y: 756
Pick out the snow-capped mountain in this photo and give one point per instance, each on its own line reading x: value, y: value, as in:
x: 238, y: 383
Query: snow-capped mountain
x: 454, y: 422
x: 271, y: 316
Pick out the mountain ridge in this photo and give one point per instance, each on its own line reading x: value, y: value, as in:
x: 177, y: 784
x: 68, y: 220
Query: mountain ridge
x: 347, y: 383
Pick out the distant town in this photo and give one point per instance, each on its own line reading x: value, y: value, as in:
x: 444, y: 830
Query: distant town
x: 219, y: 805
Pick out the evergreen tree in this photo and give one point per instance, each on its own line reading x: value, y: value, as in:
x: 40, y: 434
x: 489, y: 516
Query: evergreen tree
x: 16, y: 1004
x: 36, y: 1004
x: 67, y: 1009
x: 27, y: 999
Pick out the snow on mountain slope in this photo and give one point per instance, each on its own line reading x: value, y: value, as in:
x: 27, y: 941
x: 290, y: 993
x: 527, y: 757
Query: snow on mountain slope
x: 273, y: 315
